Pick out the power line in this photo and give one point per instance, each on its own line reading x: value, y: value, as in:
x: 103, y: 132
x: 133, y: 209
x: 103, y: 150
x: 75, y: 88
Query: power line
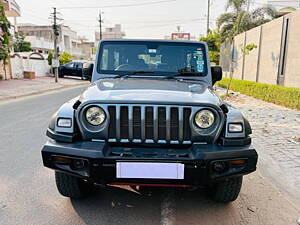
x: 118, y: 6
x: 142, y: 22
x: 162, y: 25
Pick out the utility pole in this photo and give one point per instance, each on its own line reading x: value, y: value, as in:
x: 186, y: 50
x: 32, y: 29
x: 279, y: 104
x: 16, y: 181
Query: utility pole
x: 178, y: 33
x: 56, y: 34
x: 208, y: 15
x: 100, y: 23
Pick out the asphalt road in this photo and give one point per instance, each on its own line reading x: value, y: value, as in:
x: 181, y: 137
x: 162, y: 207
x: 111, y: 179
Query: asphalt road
x: 28, y: 194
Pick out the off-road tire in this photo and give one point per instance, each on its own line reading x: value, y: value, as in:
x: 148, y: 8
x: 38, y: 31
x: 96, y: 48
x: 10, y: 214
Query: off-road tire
x: 227, y: 190
x: 72, y: 187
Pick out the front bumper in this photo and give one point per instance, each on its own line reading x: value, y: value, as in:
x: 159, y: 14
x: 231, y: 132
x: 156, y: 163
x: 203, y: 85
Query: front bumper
x: 100, y: 161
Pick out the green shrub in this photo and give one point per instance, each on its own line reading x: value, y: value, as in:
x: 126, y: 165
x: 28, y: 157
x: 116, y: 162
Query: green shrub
x: 286, y: 96
x: 64, y: 58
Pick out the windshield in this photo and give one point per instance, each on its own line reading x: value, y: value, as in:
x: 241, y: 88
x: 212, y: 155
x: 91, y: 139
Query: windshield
x: 157, y: 58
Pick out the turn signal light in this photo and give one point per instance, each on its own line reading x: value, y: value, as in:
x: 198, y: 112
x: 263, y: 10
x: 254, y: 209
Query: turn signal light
x: 61, y: 160
x: 238, y: 162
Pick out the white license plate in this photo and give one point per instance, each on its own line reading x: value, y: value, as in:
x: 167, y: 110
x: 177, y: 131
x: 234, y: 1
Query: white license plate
x: 150, y: 170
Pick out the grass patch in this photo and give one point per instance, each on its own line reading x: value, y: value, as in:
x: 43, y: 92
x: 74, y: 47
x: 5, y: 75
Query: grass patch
x: 286, y: 96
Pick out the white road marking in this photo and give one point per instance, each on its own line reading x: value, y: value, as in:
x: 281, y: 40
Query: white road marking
x: 168, y: 208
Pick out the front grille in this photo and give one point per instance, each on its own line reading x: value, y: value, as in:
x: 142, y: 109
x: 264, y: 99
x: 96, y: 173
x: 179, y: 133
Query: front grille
x: 149, y: 124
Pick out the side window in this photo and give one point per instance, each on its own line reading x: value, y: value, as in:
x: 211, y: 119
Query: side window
x: 79, y: 65
x: 116, y: 59
x: 104, y: 59
x: 69, y: 65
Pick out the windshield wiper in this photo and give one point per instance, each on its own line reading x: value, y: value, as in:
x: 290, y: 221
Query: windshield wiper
x: 194, y: 74
x: 132, y: 73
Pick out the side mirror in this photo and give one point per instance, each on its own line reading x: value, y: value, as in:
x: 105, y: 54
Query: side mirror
x: 90, y: 71
x: 216, y: 74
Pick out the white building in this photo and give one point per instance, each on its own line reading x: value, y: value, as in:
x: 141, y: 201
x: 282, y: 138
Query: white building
x: 111, y: 33
x: 42, y: 39
x: 280, y: 4
x: 12, y: 11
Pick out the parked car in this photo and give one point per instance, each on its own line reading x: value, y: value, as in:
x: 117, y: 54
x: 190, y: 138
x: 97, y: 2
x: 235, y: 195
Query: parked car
x: 150, y: 118
x: 77, y: 69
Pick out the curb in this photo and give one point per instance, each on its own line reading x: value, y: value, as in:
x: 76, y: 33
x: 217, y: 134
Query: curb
x: 41, y: 92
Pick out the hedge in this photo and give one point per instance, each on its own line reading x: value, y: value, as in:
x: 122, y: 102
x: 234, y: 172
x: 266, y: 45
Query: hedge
x: 286, y: 96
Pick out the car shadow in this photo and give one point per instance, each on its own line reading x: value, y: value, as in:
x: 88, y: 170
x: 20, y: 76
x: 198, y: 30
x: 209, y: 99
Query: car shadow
x: 195, y: 207
x: 114, y: 205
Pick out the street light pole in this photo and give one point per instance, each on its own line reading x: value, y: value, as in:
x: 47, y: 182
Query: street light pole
x: 208, y: 15
x: 100, y: 22
x: 56, y: 33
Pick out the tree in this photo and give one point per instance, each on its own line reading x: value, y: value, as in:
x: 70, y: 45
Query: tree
x: 4, y: 37
x: 64, y: 58
x: 213, y: 40
x: 20, y: 45
x: 240, y: 19
x: 50, y: 57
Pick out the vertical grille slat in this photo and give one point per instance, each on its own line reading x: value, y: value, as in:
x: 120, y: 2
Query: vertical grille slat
x: 174, y: 124
x: 130, y: 123
x: 168, y: 123
x: 155, y: 120
x: 162, y: 123
x: 112, y: 123
x: 180, y: 129
x: 186, y: 124
x: 118, y: 123
x: 124, y: 122
x: 136, y: 122
x: 143, y: 125
x: 149, y: 124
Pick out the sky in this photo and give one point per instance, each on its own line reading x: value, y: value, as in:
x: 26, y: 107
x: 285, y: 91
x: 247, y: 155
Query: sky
x: 140, y: 21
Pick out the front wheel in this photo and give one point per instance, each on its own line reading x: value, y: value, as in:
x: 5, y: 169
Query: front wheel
x: 226, y: 190
x: 72, y: 187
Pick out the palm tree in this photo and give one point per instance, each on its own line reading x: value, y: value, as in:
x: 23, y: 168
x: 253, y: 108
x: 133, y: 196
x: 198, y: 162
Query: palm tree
x: 240, y: 19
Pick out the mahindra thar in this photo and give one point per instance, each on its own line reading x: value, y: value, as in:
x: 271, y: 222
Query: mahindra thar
x: 150, y: 118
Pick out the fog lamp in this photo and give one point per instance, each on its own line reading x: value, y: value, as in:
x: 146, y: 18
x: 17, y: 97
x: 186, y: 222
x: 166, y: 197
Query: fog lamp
x: 78, y: 164
x: 219, y: 166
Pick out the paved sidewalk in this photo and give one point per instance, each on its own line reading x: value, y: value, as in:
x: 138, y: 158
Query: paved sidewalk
x: 11, y: 89
x: 276, y: 136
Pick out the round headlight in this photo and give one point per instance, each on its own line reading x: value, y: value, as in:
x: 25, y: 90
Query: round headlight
x: 204, y: 118
x: 95, y: 115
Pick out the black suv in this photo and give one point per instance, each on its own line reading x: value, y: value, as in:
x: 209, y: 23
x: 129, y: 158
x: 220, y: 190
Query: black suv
x: 150, y: 118
x: 77, y: 69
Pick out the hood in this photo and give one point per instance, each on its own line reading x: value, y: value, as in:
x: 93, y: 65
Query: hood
x: 152, y: 91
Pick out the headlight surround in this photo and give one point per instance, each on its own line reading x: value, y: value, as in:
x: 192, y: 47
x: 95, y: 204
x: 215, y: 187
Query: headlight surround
x: 95, y: 115
x: 204, y: 118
